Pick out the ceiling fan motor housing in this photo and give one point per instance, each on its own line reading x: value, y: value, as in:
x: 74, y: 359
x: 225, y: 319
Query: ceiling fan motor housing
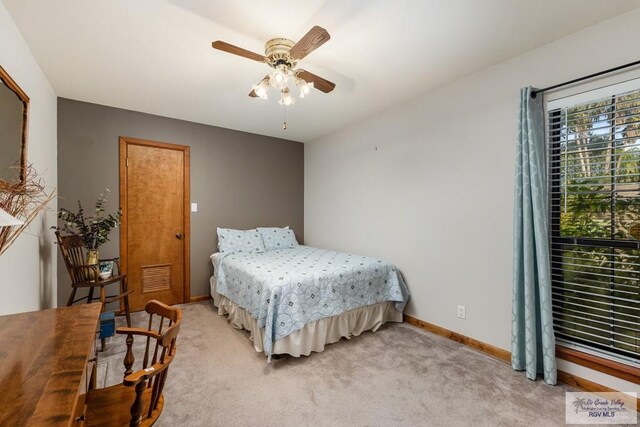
x: 277, y: 50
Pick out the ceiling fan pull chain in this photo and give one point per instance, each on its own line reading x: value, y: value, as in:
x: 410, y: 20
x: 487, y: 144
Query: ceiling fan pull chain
x: 284, y: 117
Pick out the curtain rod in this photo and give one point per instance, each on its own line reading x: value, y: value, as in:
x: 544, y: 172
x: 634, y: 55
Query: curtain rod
x: 534, y: 93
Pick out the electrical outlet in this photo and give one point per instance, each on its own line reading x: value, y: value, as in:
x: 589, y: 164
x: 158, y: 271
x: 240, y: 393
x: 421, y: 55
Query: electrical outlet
x: 461, y: 312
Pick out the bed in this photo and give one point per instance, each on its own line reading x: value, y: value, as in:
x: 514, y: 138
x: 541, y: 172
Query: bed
x: 297, y: 299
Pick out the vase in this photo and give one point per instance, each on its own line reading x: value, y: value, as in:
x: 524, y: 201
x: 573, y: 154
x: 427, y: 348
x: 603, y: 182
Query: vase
x: 92, y: 259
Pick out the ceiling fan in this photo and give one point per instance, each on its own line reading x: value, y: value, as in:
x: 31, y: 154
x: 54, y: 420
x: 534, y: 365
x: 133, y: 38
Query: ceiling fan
x: 282, y: 55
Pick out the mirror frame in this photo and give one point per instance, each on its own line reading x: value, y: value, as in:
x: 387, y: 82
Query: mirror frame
x: 13, y: 86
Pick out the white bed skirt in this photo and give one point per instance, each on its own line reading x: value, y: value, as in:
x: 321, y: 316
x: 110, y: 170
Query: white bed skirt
x: 313, y: 336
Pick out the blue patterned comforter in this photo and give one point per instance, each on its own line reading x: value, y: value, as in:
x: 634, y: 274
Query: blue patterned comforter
x: 287, y: 288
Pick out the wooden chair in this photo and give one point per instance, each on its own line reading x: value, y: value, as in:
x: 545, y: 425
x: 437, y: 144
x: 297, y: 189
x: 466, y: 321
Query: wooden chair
x: 139, y: 399
x: 88, y: 276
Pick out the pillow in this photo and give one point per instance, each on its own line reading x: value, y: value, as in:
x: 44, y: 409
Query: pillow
x: 230, y: 240
x: 278, y: 238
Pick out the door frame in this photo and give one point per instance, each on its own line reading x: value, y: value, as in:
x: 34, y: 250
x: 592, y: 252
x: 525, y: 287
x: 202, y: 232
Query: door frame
x: 124, y: 142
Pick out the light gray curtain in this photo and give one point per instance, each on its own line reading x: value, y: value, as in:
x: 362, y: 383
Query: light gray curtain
x: 532, y: 338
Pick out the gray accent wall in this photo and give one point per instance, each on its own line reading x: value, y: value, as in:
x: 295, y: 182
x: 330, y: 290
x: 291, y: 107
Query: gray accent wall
x: 239, y: 180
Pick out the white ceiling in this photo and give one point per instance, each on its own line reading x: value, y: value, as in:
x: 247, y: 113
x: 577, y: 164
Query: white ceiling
x: 155, y: 56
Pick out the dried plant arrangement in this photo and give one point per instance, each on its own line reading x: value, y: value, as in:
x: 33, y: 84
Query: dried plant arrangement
x: 23, y: 201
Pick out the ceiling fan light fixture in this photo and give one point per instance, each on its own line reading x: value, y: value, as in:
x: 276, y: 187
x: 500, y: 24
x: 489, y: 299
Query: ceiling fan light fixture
x: 261, y: 89
x: 280, y: 76
x: 304, y: 87
x: 285, y: 97
x: 307, y: 88
x: 286, y: 101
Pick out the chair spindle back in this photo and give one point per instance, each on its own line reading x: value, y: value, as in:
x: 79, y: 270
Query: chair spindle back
x: 161, y: 341
x: 72, y: 250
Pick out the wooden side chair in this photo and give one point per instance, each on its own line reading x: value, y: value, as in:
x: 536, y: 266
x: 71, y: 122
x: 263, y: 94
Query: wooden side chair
x: 139, y: 399
x: 88, y: 276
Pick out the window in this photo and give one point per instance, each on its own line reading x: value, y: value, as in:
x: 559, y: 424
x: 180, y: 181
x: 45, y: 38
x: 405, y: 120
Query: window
x: 594, y: 179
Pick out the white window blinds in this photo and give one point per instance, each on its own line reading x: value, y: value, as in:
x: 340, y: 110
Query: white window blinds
x: 594, y: 179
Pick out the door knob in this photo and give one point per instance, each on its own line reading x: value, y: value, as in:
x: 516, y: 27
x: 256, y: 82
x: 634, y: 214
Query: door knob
x: 179, y: 235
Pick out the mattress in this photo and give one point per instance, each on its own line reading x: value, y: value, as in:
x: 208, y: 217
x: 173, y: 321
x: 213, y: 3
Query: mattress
x: 286, y: 289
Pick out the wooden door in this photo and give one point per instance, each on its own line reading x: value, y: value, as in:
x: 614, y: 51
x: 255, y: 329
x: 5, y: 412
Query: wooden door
x: 154, y: 238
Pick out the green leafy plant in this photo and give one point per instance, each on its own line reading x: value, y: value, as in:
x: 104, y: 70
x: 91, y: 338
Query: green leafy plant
x: 93, y: 230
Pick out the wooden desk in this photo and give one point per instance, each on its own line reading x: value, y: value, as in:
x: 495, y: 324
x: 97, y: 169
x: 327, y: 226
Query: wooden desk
x: 47, y: 359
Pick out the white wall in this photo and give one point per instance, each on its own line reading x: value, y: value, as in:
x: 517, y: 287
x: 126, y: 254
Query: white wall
x: 428, y: 185
x: 28, y: 268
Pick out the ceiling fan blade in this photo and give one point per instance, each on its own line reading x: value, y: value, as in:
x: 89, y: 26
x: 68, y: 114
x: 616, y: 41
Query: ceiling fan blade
x: 318, y: 82
x: 253, y: 94
x: 316, y: 37
x: 226, y: 47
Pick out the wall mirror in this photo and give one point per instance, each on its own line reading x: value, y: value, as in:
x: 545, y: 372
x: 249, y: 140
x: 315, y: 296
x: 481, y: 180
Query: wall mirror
x: 14, y: 109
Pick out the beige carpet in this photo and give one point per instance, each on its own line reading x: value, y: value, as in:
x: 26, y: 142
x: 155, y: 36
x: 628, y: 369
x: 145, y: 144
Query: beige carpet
x: 399, y: 375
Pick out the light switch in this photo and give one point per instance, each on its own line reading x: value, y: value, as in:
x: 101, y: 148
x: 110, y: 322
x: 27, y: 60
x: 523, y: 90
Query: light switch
x: 194, y: 207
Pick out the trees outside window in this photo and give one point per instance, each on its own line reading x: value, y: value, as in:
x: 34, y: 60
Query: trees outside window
x: 594, y: 176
